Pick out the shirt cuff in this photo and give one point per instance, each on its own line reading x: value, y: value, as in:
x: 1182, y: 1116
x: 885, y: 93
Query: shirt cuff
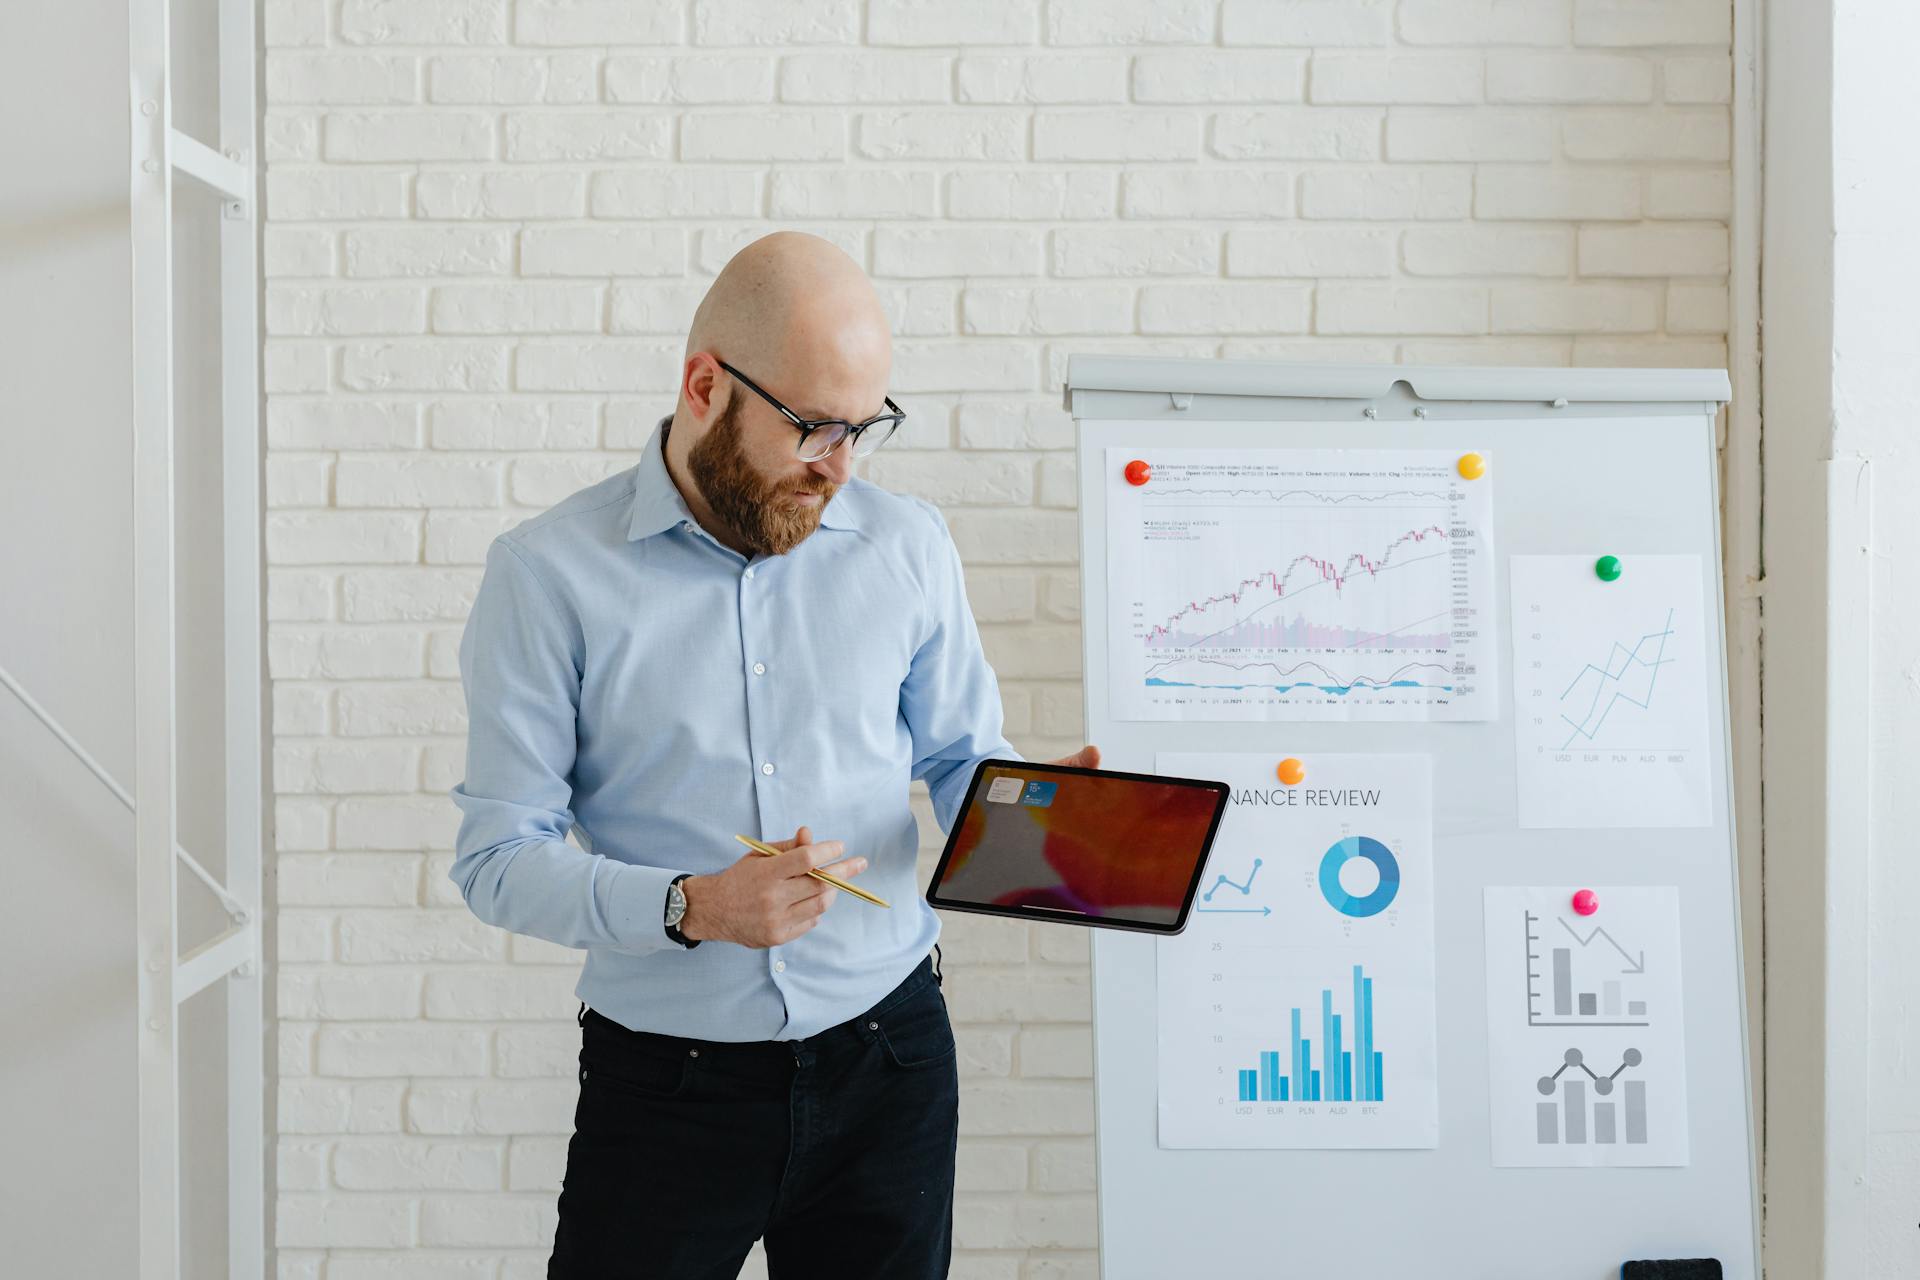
x: 637, y: 908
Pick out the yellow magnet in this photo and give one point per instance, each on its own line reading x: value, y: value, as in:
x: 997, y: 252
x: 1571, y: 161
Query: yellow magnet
x: 1472, y: 466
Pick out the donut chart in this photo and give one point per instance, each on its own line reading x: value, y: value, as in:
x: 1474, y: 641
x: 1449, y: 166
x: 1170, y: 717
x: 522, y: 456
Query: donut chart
x: 1344, y: 851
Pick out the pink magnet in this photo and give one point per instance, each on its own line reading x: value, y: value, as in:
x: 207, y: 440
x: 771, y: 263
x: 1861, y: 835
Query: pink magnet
x: 1586, y: 902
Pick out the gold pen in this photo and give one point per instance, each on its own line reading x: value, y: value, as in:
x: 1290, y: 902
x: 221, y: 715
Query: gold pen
x: 816, y: 873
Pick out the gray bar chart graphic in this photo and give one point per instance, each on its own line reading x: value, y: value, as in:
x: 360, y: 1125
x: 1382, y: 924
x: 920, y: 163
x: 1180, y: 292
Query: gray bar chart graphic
x: 1636, y: 1111
x: 1608, y: 966
x: 1566, y: 1119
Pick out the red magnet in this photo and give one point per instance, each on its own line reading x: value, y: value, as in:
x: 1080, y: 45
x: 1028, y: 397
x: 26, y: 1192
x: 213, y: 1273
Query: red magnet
x: 1139, y: 472
x: 1586, y: 902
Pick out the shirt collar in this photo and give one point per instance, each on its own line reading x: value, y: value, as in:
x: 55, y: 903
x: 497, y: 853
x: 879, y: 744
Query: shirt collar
x: 658, y: 506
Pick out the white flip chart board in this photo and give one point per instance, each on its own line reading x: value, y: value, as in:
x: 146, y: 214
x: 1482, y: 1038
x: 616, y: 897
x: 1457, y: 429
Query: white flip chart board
x: 1529, y: 1091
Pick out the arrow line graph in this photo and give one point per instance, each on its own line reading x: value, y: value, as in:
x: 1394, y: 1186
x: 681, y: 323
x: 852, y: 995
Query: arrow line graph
x: 1635, y: 964
x: 1223, y: 882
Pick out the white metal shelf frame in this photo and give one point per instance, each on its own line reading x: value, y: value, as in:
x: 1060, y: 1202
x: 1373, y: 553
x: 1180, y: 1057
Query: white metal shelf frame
x: 167, y: 979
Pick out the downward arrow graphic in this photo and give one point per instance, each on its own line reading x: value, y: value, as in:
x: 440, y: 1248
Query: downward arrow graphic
x: 1635, y: 964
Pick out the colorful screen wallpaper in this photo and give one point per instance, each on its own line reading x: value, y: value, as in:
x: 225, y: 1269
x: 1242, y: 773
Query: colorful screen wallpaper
x: 1113, y: 848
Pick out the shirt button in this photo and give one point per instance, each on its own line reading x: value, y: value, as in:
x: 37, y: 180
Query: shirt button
x: 779, y: 966
x: 759, y: 668
x: 749, y: 571
x: 767, y: 767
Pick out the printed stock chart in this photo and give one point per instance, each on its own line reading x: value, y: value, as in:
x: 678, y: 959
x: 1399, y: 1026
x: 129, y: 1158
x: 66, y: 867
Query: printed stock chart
x: 1300, y: 584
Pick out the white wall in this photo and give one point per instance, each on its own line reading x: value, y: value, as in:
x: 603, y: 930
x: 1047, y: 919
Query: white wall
x: 488, y: 225
x: 1876, y: 390
x: 67, y: 997
x: 1842, y: 642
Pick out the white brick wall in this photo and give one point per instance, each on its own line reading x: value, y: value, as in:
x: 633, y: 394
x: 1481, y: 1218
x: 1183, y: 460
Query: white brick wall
x: 488, y: 223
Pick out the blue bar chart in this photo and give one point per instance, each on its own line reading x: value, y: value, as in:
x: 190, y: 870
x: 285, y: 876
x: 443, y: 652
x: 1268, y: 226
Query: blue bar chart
x: 1345, y: 1040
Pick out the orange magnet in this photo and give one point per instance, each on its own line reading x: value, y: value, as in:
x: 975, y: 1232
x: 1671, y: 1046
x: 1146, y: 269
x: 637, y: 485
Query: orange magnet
x: 1139, y: 472
x: 1472, y: 466
x: 1291, y: 771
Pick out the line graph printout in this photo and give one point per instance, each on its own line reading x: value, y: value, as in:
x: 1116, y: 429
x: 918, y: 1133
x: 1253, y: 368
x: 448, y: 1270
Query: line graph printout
x: 1610, y: 689
x: 1297, y: 1010
x: 1586, y: 1051
x: 1299, y: 584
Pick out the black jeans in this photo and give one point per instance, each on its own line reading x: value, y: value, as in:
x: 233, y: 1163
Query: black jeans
x: 838, y: 1149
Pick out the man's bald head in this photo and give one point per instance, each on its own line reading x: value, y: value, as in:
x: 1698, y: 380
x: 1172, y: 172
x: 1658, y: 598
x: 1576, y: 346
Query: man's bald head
x: 799, y: 317
x: 792, y: 309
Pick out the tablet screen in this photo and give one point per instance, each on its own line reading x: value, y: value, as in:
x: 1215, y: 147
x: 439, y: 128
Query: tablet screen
x: 1085, y: 845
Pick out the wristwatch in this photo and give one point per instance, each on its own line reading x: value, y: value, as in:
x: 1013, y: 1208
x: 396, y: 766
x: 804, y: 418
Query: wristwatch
x: 677, y: 911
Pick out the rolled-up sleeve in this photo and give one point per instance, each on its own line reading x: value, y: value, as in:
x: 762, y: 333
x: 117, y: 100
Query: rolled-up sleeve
x: 950, y: 698
x: 521, y: 658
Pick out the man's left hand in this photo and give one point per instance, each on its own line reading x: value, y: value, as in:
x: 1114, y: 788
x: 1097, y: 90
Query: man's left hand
x: 1087, y: 757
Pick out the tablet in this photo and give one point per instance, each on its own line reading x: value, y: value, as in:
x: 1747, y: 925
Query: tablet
x: 1079, y: 846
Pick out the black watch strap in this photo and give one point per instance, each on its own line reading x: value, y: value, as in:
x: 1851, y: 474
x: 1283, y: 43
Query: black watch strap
x: 673, y: 931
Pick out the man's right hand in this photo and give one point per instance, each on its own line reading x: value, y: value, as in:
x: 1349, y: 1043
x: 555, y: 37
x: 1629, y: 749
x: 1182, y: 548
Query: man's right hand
x: 761, y: 901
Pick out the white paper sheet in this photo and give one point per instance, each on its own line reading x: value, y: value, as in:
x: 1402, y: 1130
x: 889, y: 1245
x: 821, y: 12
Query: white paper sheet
x: 1610, y: 686
x: 1585, y: 1039
x: 1317, y: 901
x: 1300, y: 584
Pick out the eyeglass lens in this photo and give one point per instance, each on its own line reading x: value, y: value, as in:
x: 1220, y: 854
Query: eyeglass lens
x: 825, y: 440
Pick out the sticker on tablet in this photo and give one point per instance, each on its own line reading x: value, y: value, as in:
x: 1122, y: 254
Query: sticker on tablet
x: 1004, y: 790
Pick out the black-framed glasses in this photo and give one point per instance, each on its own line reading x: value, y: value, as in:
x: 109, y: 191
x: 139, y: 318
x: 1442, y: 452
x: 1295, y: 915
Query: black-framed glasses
x: 819, y: 437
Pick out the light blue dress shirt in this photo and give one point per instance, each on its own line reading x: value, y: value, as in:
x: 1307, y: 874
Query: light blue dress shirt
x: 631, y: 679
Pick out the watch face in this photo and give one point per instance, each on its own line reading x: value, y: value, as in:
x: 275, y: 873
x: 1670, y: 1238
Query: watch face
x: 676, y: 905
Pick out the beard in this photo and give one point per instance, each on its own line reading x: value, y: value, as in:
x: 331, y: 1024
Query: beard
x: 758, y: 512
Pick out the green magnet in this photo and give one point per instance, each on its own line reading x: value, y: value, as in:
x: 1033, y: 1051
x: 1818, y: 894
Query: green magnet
x: 1608, y: 567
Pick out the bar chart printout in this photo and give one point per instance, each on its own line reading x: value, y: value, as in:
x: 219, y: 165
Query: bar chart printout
x: 1336, y: 1079
x: 1297, y: 1010
x: 1581, y: 972
x: 1585, y: 1040
x: 1565, y: 1117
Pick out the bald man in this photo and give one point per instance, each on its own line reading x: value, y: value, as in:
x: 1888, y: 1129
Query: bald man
x: 737, y: 635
